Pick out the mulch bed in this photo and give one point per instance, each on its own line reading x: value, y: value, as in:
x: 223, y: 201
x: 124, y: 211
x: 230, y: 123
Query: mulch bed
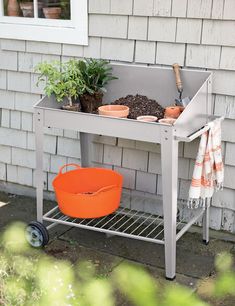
x: 140, y: 105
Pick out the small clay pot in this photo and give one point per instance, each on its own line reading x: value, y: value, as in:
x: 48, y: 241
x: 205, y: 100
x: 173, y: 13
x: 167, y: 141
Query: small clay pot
x: 74, y: 108
x: 181, y: 109
x: 118, y: 111
x: 147, y: 118
x: 52, y: 12
x: 172, y: 112
x: 91, y: 103
x: 27, y: 9
x: 167, y: 121
x: 13, y: 8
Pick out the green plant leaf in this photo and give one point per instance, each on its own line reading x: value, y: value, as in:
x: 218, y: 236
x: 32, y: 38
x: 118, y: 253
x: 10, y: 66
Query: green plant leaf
x: 134, y: 282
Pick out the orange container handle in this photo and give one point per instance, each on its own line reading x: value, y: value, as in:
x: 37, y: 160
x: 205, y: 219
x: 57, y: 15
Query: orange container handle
x: 101, y: 190
x: 106, y: 188
x: 67, y: 165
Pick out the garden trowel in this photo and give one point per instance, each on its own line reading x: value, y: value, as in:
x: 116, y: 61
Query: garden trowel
x: 180, y: 101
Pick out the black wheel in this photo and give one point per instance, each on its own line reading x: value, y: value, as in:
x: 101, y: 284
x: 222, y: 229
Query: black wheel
x: 170, y: 278
x: 36, y: 234
x: 205, y: 242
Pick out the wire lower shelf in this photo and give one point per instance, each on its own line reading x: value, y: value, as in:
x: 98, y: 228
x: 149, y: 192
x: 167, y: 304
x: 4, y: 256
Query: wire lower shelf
x: 124, y: 222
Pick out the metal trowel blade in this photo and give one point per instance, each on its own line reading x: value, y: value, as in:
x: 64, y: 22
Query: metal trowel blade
x: 186, y: 101
x: 183, y: 102
x: 178, y: 102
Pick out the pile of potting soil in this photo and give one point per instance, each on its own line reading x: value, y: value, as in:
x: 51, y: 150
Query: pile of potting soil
x: 141, y: 106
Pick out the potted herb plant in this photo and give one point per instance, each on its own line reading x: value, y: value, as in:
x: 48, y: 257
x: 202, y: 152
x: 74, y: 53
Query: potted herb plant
x: 95, y: 74
x: 64, y: 80
x: 27, y: 8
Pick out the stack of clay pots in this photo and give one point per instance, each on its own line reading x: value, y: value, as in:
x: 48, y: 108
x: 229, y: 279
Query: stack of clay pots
x: 26, y: 9
x: 171, y: 114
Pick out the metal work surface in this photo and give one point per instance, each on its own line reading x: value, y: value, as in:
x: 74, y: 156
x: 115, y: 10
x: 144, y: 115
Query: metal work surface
x: 100, y: 125
x: 125, y: 222
x: 157, y: 83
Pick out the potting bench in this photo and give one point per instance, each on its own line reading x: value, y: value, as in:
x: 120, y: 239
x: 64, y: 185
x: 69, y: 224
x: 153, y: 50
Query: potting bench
x: 157, y: 83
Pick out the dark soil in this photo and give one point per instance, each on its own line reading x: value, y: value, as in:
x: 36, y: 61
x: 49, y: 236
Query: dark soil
x: 90, y: 103
x: 140, y: 106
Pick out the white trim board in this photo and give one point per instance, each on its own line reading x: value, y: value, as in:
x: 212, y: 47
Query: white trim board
x: 74, y: 31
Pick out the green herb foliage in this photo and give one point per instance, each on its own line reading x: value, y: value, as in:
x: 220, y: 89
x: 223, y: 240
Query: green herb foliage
x: 61, y: 79
x: 96, y: 74
x: 74, y: 78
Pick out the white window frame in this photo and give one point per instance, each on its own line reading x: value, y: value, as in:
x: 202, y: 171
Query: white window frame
x: 73, y: 31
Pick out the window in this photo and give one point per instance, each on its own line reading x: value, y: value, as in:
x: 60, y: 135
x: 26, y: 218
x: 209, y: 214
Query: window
x: 61, y: 21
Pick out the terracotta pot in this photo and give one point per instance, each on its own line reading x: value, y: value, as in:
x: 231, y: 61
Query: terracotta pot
x: 27, y: 9
x: 74, y: 108
x: 52, y: 12
x: 91, y: 103
x: 13, y: 8
x: 172, y: 112
x: 118, y: 111
x: 147, y: 118
x: 71, y: 104
x: 181, y: 109
x: 167, y: 121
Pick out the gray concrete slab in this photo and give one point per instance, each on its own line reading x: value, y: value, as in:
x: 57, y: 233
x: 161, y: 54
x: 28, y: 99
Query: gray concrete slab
x: 188, y: 262
x: 104, y: 263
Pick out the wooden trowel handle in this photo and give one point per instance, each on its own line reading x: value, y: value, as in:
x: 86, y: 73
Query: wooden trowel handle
x: 176, y: 69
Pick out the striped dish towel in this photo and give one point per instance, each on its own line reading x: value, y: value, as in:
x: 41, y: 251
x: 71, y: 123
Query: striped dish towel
x: 208, y: 174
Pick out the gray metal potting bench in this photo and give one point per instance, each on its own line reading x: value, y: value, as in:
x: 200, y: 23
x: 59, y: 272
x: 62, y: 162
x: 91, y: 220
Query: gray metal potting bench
x: 157, y: 83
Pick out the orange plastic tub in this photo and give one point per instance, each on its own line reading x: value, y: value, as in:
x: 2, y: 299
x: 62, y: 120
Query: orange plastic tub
x: 87, y: 192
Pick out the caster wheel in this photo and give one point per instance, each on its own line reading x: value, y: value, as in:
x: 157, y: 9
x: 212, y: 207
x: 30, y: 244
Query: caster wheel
x: 206, y: 242
x: 36, y: 234
x: 170, y: 279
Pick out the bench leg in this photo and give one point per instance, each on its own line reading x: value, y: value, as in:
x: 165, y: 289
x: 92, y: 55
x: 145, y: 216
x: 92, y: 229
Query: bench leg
x: 86, y: 149
x: 38, y: 118
x: 169, y: 157
x: 205, y: 225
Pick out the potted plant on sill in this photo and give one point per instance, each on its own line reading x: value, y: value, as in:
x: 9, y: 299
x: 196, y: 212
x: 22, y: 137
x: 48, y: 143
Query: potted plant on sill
x: 12, y: 8
x: 52, y: 12
x: 64, y: 80
x: 95, y: 74
x: 27, y: 8
x: 52, y: 9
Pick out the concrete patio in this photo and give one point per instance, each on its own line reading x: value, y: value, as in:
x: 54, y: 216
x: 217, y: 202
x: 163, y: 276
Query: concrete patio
x: 194, y: 259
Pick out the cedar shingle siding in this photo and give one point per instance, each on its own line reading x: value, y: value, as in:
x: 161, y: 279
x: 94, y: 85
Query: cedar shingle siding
x: 197, y: 34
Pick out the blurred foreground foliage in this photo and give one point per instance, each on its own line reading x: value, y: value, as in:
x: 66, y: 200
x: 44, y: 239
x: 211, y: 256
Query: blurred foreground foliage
x: 30, y: 277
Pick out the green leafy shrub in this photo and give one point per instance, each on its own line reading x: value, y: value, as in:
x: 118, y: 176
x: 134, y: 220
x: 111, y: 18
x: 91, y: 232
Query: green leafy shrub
x: 96, y: 75
x: 29, y: 277
x: 64, y: 80
x: 75, y: 78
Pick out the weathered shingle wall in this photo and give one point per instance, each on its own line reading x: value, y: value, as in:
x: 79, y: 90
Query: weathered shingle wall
x: 197, y: 34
